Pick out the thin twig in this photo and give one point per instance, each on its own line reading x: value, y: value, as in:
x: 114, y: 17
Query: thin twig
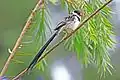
x: 18, y: 42
x: 25, y: 70
x: 56, y: 45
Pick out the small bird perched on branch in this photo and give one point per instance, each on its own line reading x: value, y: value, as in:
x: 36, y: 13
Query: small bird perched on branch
x: 69, y: 24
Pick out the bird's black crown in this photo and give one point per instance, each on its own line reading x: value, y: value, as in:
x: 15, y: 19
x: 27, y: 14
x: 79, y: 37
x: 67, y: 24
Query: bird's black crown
x: 78, y: 12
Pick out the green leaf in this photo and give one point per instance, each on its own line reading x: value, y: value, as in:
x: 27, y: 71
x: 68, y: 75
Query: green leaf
x: 53, y: 1
x: 17, y: 61
x: 62, y: 3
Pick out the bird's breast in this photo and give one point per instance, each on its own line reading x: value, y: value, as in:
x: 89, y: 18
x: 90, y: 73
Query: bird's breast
x: 71, y: 26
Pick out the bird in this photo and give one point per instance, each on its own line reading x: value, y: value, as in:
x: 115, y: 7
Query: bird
x: 68, y: 24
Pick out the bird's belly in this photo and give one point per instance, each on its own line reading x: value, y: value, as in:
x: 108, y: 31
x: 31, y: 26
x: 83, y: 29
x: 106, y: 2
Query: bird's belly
x: 71, y: 27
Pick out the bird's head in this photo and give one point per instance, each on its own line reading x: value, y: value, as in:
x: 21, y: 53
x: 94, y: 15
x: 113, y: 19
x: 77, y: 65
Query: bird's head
x: 78, y: 13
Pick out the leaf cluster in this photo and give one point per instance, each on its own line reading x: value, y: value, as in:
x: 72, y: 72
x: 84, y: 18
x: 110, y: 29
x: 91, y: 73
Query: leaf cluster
x: 91, y: 43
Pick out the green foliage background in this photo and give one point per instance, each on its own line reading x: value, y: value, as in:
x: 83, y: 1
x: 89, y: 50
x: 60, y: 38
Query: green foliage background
x: 95, y: 32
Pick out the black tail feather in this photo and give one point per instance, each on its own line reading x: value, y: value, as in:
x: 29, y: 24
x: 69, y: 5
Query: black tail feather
x: 34, y: 61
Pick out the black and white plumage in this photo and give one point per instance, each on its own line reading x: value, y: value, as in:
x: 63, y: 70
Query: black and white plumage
x: 69, y: 24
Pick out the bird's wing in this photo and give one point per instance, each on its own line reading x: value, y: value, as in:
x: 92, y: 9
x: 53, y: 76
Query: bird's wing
x: 61, y: 24
x: 67, y: 20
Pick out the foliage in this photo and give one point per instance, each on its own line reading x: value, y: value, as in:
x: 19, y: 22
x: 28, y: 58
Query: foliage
x: 36, y: 35
x: 91, y: 43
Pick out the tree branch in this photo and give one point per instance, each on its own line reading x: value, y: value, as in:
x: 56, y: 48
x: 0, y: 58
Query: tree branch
x: 61, y: 41
x: 18, y: 42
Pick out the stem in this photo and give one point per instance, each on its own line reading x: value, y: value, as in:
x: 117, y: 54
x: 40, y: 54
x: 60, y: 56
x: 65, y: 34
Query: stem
x: 18, y: 42
x: 16, y: 78
x: 61, y: 41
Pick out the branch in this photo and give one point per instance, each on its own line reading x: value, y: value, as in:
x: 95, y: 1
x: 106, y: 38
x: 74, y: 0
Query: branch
x: 20, y: 74
x: 61, y: 41
x: 18, y: 42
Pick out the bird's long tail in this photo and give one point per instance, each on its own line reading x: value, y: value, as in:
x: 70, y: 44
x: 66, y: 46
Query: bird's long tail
x: 35, y: 60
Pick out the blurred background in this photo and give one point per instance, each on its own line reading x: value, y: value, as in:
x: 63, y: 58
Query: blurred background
x: 13, y: 15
